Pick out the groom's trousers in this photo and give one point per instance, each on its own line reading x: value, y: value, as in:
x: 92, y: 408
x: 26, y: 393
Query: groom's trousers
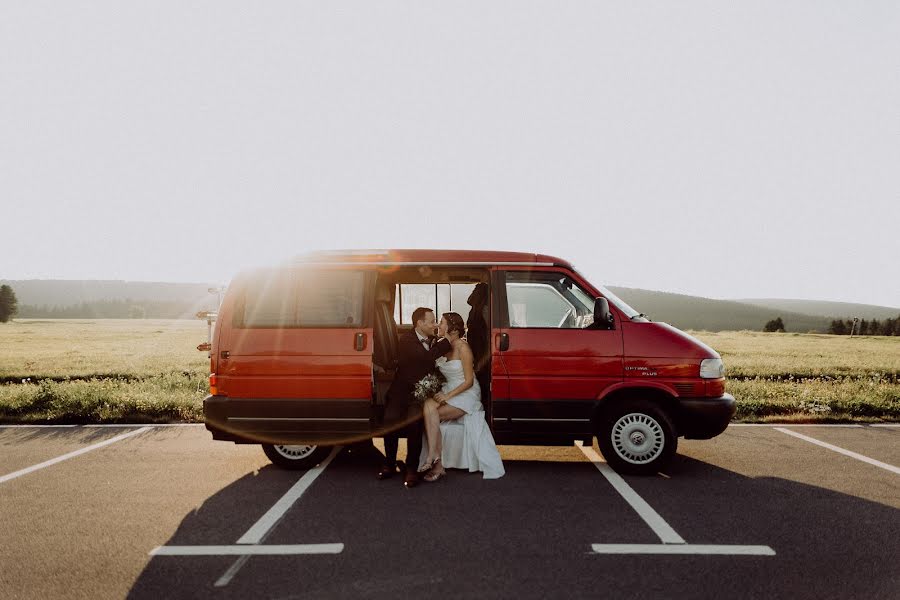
x: 395, y: 412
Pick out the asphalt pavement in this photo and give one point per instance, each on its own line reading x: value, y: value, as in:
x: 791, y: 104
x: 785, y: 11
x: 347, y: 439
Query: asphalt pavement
x: 151, y: 512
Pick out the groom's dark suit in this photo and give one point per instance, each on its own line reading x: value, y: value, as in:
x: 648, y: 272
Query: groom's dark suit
x: 414, y: 363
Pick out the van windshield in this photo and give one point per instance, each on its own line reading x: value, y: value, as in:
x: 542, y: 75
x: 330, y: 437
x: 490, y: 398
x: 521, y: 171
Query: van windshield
x: 618, y: 302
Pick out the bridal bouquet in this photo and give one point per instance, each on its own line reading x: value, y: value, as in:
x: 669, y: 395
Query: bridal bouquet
x: 428, y: 386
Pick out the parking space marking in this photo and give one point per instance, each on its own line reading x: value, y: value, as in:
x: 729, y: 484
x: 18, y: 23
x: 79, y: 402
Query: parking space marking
x: 672, y: 543
x: 242, y: 550
x: 119, y: 425
x: 682, y: 549
x: 646, y: 512
x: 33, y: 426
x: 259, y: 529
x: 797, y: 424
x: 839, y: 450
x: 249, y: 544
x: 72, y: 454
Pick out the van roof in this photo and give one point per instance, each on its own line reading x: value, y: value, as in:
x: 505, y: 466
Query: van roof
x: 416, y: 257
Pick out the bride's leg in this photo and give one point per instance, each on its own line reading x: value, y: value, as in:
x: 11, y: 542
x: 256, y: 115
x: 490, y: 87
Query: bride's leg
x: 432, y: 428
x: 444, y: 412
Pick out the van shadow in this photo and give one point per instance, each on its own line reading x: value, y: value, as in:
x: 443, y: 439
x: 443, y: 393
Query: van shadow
x: 529, y: 535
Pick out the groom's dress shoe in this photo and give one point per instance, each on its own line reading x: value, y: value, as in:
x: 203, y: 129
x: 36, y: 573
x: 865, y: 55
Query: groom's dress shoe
x: 387, y: 471
x: 411, y: 479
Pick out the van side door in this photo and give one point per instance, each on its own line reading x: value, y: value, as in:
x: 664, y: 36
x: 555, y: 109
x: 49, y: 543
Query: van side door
x: 552, y: 366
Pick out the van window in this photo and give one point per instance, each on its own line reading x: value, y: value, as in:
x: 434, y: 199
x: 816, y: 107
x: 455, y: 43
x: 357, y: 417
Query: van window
x: 547, y: 300
x: 311, y: 299
x: 331, y: 299
x: 439, y: 297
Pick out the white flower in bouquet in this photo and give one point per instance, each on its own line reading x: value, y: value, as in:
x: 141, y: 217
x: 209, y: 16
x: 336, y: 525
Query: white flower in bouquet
x: 428, y: 386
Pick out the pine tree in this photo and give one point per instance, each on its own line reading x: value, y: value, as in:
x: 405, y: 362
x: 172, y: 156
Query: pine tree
x: 863, y: 327
x: 837, y: 327
x: 8, y: 303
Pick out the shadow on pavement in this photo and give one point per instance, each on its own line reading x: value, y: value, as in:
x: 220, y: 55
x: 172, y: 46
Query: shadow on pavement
x: 529, y: 535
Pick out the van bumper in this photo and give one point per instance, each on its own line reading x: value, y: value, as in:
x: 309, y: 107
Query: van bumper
x: 287, y: 420
x: 704, y: 418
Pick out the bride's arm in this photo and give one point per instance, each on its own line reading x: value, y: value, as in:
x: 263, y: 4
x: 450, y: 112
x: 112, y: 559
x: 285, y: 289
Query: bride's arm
x: 467, y: 359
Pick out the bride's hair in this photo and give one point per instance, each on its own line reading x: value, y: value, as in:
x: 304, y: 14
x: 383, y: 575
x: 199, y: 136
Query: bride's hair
x: 455, y: 323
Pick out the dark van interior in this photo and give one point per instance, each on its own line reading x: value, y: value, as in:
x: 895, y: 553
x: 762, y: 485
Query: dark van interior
x: 462, y: 290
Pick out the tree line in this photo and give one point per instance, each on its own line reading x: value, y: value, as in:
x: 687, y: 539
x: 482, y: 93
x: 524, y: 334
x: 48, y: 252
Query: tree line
x: 843, y: 327
x: 863, y: 327
x: 111, y: 309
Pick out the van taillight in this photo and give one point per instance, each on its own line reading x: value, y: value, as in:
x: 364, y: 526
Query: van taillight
x: 212, y: 385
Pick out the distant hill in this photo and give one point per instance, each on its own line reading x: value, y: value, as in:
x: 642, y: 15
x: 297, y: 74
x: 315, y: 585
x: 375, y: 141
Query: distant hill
x: 124, y: 299
x: 821, y: 308
x: 64, y: 292
x: 68, y: 299
x: 693, y: 312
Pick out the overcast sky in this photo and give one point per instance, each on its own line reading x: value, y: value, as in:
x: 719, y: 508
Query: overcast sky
x: 728, y: 151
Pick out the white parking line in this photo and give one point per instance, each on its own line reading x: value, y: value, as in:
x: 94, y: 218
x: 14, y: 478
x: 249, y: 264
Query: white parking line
x: 244, y: 550
x: 682, y: 549
x: 839, y: 450
x: 672, y: 542
x: 258, y: 531
x: 644, y: 510
x: 35, y: 426
x: 73, y: 454
x: 249, y: 544
x: 773, y: 425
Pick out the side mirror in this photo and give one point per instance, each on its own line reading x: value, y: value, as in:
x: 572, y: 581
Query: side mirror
x: 603, y: 318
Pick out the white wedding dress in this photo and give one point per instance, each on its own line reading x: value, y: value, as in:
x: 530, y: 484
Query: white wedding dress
x: 467, y: 442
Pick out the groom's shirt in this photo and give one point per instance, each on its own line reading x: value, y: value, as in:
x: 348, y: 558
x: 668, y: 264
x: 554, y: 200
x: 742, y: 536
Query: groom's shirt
x: 426, y: 342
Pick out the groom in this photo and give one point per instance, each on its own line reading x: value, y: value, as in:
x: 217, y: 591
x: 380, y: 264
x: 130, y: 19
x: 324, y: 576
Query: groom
x: 418, y: 351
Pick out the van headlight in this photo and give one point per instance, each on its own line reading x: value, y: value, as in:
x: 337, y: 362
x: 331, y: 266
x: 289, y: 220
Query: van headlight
x: 712, y: 368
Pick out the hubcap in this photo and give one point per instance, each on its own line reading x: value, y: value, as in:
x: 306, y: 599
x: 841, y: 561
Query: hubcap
x: 638, y: 438
x: 295, y: 452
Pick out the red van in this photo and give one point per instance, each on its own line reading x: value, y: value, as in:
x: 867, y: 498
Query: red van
x: 303, y: 353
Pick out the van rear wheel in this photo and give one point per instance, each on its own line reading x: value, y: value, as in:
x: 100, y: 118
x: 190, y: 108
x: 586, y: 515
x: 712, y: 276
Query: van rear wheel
x: 637, y: 437
x: 295, y: 457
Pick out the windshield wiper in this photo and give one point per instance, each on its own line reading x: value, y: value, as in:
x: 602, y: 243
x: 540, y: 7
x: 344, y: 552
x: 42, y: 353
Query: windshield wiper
x: 639, y: 316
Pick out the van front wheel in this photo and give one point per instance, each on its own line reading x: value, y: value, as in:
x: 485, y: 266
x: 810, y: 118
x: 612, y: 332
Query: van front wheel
x: 637, y: 438
x: 295, y: 457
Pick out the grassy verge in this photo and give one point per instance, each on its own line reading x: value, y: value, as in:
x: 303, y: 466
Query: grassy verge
x: 163, y: 398
x: 831, y: 400
x: 178, y: 397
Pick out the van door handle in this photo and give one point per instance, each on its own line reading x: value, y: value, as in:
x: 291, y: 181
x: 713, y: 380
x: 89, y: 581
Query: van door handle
x: 360, y: 342
x: 504, y: 342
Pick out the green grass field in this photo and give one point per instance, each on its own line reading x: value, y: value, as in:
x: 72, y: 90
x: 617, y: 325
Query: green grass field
x: 108, y: 371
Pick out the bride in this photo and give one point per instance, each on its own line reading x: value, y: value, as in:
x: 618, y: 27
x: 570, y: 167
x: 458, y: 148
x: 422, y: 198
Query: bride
x: 459, y: 400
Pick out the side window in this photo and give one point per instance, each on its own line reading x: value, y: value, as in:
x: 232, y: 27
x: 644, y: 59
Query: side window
x: 270, y: 302
x: 440, y: 297
x: 312, y: 299
x: 537, y: 299
x: 331, y: 299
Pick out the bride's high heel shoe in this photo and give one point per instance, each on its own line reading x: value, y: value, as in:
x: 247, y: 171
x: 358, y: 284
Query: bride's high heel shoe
x: 429, y: 466
x: 434, y: 476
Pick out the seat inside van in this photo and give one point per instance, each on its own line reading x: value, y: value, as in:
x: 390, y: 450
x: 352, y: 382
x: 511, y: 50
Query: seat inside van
x: 395, y: 300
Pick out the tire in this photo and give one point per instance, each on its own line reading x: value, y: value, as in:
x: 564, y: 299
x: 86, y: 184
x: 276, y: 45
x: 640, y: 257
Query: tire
x: 637, y: 437
x: 295, y: 457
